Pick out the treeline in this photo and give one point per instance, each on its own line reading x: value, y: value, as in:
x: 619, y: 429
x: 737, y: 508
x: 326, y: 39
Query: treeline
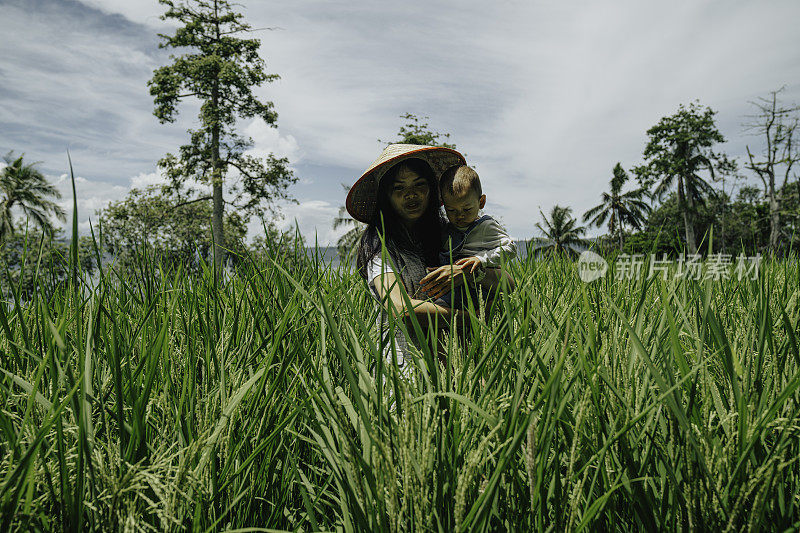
x: 690, y: 197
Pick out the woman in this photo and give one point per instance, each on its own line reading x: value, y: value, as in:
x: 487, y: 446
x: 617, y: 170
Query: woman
x: 398, y: 198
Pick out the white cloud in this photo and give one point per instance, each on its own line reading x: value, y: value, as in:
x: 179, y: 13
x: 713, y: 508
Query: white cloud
x: 268, y: 140
x: 140, y: 11
x: 145, y: 179
x: 70, y: 86
x: 593, y: 79
x: 314, y: 218
x: 91, y: 196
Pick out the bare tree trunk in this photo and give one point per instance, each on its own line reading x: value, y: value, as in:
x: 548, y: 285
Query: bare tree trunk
x: 774, y: 219
x: 218, y: 203
x: 216, y: 177
x: 691, y: 211
x: 778, y: 124
x: 216, y: 228
x: 721, y: 217
x: 6, y: 221
x: 616, y: 223
x: 685, y: 208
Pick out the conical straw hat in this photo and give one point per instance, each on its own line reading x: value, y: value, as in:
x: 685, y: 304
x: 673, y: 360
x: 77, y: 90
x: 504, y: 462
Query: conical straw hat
x: 362, y: 200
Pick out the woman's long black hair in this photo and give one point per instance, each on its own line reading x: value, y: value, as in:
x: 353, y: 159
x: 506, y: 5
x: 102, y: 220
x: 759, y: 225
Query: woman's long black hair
x: 424, y: 240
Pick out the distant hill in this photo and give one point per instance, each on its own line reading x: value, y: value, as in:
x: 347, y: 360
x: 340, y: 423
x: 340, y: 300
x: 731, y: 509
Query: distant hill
x: 329, y: 255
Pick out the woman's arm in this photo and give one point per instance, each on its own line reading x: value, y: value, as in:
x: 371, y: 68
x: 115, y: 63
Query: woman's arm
x: 388, y: 288
x: 438, y: 281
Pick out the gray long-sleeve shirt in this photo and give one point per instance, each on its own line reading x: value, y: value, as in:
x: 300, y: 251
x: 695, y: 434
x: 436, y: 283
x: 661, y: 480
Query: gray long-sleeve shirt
x: 487, y: 240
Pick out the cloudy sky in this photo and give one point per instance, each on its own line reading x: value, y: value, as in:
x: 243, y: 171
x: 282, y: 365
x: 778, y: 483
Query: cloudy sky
x: 544, y: 97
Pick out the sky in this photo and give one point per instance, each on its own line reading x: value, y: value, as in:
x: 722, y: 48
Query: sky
x: 543, y: 97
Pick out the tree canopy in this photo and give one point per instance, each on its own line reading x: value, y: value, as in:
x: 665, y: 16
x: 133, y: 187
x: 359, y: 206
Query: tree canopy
x: 619, y: 208
x: 31, y: 258
x: 417, y: 131
x: 23, y: 186
x: 561, y: 230
x: 175, y: 234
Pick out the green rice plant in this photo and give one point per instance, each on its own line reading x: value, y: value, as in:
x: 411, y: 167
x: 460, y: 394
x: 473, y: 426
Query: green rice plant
x: 153, y: 399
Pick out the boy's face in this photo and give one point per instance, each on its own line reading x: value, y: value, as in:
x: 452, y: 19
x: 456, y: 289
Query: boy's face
x: 463, y: 210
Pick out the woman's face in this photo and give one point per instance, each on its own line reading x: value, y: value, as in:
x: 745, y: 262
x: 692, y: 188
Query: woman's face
x: 409, y: 195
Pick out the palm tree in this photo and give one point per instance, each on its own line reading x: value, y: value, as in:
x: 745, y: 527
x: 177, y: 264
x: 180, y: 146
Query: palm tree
x: 562, y: 233
x: 679, y: 147
x: 692, y: 189
x: 24, y: 186
x: 619, y: 208
x: 348, y: 242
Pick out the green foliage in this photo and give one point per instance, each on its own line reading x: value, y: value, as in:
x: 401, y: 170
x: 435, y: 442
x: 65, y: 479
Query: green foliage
x: 30, y: 258
x: 180, y: 403
x: 289, y: 243
x: 23, y: 186
x: 417, y: 131
x: 749, y: 194
x: 619, y: 208
x: 561, y: 231
x: 679, y: 148
x: 790, y: 214
x: 176, y: 233
x: 662, y: 233
x: 740, y: 225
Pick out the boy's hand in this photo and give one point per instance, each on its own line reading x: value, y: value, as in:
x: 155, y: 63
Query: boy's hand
x: 470, y: 264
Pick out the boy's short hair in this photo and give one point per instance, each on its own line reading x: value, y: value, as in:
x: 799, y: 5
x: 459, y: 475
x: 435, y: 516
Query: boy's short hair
x: 459, y: 180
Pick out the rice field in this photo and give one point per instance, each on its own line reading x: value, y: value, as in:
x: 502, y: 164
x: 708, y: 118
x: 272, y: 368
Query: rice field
x: 161, y: 401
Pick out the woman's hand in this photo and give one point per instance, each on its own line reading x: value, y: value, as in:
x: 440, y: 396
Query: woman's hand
x: 440, y: 280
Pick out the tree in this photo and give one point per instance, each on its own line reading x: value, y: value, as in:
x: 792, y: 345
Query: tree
x: 415, y: 131
x: 678, y: 149
x: 661, y: 233
x: 777, y: 125
x: 288, y: 244
x: 749, y: 194
x: 619, y: 208
x: 561, y: 231
x: 174, y: 234
x: 23, y: 186
x: 220, y: 70
x: 33, y: 260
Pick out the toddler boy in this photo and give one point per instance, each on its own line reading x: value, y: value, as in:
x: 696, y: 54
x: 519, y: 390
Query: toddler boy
x: 476, y: 243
